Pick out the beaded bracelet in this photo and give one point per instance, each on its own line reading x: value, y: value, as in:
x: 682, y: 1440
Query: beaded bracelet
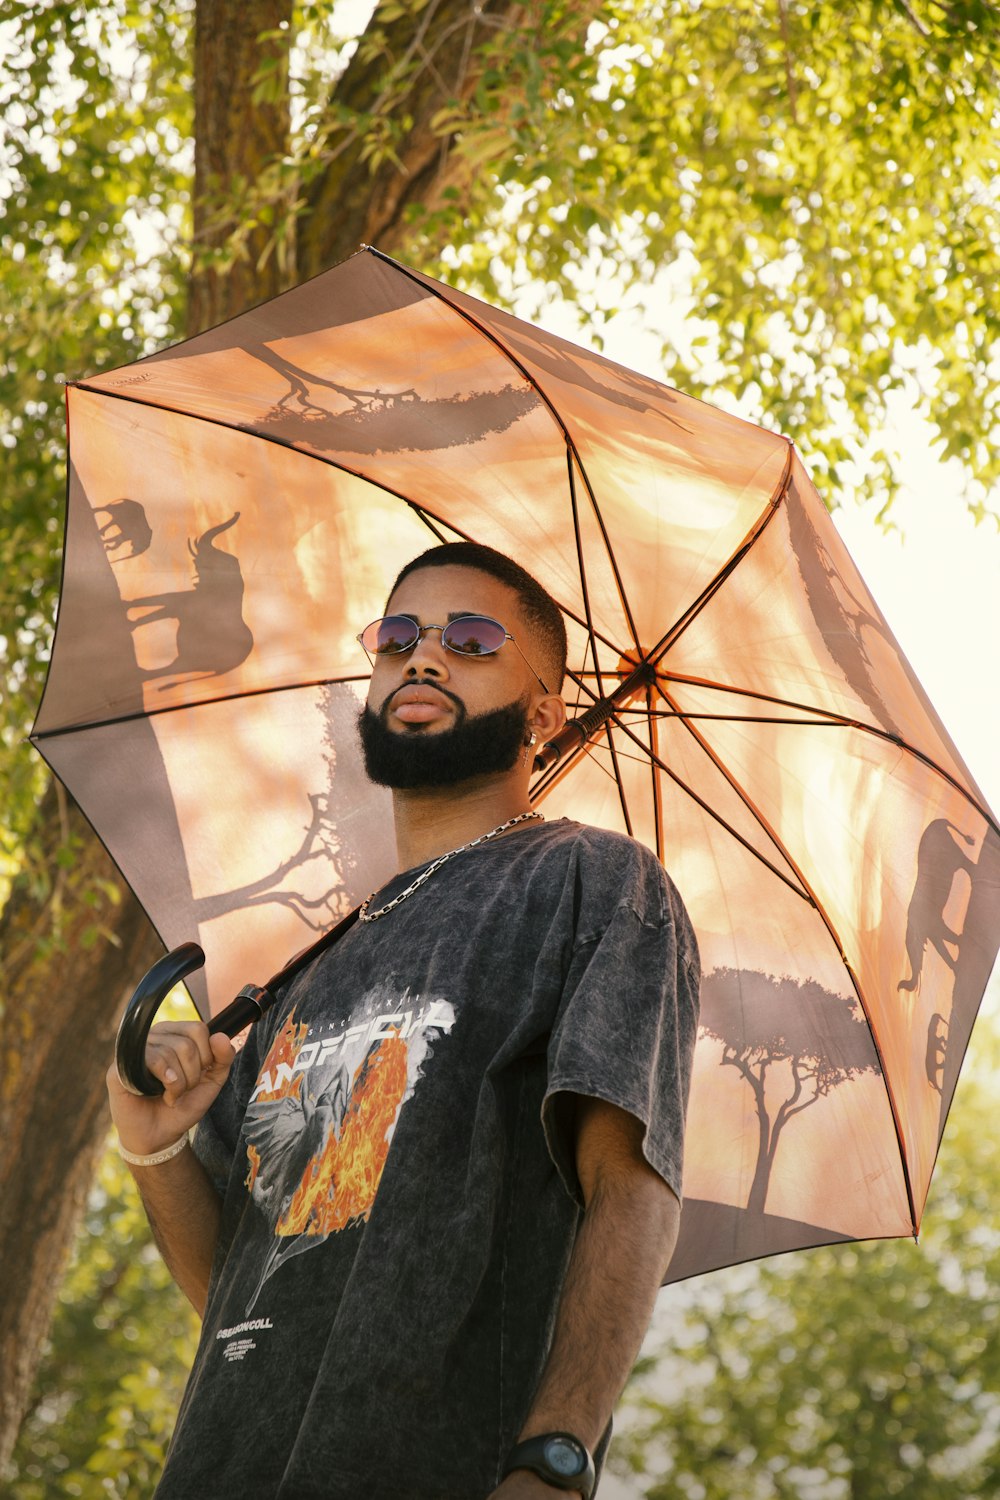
x: 156, y: 1157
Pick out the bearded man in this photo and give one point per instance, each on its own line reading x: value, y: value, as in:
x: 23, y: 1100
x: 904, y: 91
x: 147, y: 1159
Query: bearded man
x: 428, y: 1205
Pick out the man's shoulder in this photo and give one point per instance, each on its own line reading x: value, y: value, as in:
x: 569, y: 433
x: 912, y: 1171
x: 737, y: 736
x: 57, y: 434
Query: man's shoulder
x: 615, y: 865
x: 607, y: 847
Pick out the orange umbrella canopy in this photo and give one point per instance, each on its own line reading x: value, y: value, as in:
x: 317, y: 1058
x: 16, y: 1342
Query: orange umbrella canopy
x: 238, y: 508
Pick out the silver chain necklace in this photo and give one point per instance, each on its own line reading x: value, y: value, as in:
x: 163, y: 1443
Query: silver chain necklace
x: 365, y: 915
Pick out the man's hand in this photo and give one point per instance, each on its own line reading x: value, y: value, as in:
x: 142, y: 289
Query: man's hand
x: 191, y: 1065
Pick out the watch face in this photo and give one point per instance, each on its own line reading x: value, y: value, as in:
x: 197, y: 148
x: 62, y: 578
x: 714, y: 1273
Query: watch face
x: 565, y: 1457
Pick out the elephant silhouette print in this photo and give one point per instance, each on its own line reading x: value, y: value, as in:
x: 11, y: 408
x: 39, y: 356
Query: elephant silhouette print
x: 939, y: 859
x: 126, y: 531
x: 212, y: 635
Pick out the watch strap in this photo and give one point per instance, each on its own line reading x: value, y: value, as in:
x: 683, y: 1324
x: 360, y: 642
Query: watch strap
x: 532, y: 1454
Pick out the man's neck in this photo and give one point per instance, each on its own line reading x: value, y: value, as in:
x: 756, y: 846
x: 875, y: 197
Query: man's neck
x: 432, y: 821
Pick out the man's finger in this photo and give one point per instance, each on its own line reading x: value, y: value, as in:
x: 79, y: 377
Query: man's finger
x: 173, y: 1033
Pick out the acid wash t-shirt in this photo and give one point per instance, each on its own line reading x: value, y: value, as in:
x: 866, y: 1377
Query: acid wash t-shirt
x: 400, y: 1199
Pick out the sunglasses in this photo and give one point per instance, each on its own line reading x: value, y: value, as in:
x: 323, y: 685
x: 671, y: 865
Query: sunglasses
x: 469, y: 635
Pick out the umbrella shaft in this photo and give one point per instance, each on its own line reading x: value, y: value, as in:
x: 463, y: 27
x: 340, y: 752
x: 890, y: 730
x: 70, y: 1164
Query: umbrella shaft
x: 579, y: 730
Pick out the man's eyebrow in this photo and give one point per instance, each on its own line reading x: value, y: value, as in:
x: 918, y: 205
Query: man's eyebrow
x: 465, y: 614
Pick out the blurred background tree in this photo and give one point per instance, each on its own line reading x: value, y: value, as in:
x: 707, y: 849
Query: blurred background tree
x: 846, y: 1373
x: 815, y: 181
x: 110, y: 1381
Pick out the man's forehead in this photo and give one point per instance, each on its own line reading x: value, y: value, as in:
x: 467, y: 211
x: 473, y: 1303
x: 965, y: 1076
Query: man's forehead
x: 436, y: 595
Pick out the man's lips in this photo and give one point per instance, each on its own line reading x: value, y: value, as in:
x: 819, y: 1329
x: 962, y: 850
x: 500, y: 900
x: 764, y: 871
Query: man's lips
x: 418, y: 704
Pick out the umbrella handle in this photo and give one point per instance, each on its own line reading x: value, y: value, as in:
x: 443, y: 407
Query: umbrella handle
x: 150, y: 993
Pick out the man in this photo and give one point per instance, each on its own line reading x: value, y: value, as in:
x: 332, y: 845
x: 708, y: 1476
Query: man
x: 430, y: 1204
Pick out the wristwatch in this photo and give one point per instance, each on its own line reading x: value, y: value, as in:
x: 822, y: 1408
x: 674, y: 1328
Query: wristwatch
x: 557, y: 1457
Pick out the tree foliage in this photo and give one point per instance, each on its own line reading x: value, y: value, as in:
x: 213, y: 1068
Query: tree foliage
x: 846, y: 1373
x: 817, y: 180
x: 782, y: 1024
x: 822, y: 174
x: 95, y: 170
x: 122, y: 1341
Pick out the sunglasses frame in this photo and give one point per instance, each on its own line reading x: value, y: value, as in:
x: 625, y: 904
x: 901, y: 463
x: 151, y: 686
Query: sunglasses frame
x: 421, y: 631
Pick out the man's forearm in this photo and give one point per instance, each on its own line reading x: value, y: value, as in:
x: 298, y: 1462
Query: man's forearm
x: 185, y: 1212
x: 181, y: 1204
x: 618, y: 1262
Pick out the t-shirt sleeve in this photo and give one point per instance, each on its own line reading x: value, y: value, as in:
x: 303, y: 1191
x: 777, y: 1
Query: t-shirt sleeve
x: 627, y: 1021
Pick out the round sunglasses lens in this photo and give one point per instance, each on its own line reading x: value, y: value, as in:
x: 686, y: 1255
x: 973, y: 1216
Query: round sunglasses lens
x: 384, y: 637
x: 474, y: 635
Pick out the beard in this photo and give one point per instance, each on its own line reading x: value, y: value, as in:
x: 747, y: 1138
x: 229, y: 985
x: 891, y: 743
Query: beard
x: 484, y: 745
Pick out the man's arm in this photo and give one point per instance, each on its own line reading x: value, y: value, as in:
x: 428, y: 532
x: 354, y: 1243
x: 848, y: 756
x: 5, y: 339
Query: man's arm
x: 182, y: 1206
x: 620, y: 1257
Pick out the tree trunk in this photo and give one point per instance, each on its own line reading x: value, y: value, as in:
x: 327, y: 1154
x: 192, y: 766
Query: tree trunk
x: 439, y: 52
x: 62, y: 1001
x: 61, y: 1004
x: 63, y: 998
x: 235, y: 139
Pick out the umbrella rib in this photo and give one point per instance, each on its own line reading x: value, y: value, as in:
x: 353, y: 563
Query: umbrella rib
x: 428, y: 521
x: 802, y: 891
x: 711, y: 588
x: 828, y: 719
x: 171, y: 708
x: 618, y: 779
x: 829, y: 714
x: 743, y: 692
x: 684, y: 713
x: 571, y: 614
x: 260, y: 437
x: 439, y: 290
x: 582, y: 569
x: 756, y: 813
x: 559, y: 770
x: 827, y: 921
x: 429, y: 518
x: 654, y: 745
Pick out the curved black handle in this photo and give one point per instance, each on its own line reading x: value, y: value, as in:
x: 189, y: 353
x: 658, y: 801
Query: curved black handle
x: 250, y: 1004
x: 140, y: 1013
x: 150, y: 993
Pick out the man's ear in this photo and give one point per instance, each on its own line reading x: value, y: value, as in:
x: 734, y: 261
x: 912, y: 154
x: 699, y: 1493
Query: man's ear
x: 547, y: 717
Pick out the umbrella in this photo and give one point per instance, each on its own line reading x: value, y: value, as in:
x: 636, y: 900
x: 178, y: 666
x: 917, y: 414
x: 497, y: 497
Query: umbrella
x: 238, y: 507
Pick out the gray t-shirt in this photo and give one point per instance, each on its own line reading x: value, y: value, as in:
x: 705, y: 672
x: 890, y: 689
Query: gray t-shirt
x: 395, y: 1153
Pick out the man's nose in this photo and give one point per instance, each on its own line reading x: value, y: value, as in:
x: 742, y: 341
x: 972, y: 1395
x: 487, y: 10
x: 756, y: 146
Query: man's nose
x: 428, y: 657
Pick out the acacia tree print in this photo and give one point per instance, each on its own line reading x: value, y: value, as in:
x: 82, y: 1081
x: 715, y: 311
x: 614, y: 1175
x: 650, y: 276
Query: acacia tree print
x: 766, y: 1022
x: 371, y: 421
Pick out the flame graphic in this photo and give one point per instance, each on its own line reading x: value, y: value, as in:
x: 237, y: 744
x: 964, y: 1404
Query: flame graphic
x: 284, y: 1049
x: 340, y: 1182
x: 253, y: 1157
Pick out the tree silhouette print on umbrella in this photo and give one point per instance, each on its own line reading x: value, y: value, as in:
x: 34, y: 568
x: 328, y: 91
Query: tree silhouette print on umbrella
x: 382, y: 421
x: 764, y: 1021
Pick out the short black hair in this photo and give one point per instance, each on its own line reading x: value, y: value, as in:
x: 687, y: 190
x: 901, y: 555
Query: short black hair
x: 539, y: 607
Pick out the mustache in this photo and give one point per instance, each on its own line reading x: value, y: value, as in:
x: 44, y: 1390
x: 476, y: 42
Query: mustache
x: 445, y: 693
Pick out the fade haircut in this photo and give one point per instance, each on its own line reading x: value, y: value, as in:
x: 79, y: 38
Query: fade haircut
x: 538, y: 606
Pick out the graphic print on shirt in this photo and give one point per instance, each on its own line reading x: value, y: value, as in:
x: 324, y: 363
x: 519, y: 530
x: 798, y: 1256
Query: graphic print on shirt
x: 321, y: 1117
